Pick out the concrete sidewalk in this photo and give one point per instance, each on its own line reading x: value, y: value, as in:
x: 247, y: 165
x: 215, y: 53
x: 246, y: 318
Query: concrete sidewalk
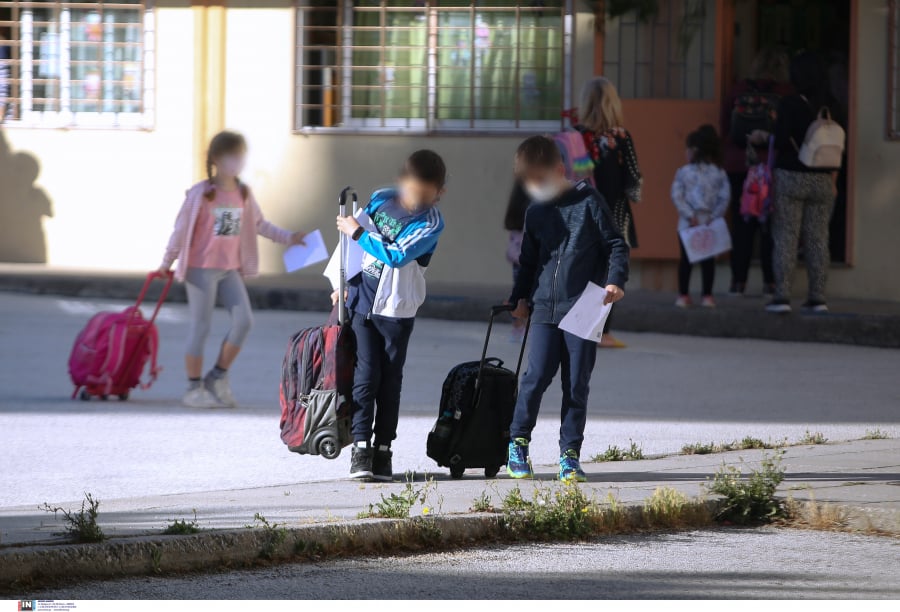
x: 862, y: 476
x: 864, y: 323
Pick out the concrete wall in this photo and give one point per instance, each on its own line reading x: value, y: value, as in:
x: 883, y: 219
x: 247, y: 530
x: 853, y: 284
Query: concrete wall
x: 876, y: 185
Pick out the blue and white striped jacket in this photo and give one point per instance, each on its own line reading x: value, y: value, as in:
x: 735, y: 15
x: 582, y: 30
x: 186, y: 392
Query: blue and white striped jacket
x: 401, y: 289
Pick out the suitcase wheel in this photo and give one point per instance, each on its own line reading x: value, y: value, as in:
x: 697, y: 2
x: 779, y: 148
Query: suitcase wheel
x: 104, y: 397
x: 457, y: 472
x: 123, y: 396
x: 328, y: 447
x: 491, y: 472
x: 84, y: 396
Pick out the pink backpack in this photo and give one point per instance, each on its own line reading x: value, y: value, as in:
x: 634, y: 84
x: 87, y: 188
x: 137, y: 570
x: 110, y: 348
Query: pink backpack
x: 756, y: 196
x: 113, y: 349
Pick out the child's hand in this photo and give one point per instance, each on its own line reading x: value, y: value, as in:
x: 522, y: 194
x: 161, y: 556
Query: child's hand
x: 298, y: 238
x: 613, y: 294
x: 347, y: 225
x: 164, y: 270
x: 334, y: 297
x: 522, y: 311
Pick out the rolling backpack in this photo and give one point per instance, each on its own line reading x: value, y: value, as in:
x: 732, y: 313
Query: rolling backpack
x: 756, y: 195
x: 752, y: 110
x: 317, y: 377
x: 112, y: 351
x: 823, y: 145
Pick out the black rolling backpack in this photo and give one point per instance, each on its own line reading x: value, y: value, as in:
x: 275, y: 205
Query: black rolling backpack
x: 477, y: 403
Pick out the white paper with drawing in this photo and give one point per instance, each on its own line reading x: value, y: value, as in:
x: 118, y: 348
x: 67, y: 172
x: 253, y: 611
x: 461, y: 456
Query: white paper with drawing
x: 303, y: 255
x: 354, y: 254
x: 588, y: 315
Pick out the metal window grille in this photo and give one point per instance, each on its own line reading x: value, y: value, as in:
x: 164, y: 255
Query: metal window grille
x: 893, y: 101
x: 671, y: 55
x: 417, y: 65
x: 77, y: 64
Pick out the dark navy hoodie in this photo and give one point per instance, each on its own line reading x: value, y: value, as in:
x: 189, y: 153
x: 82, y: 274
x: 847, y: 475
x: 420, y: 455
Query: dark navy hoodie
x: 568, y: 242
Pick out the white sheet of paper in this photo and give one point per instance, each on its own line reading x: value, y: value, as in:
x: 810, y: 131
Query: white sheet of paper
x: 705, y: 241
x: 302, y: 255
x: 354, y: 254
x: 588, y: 314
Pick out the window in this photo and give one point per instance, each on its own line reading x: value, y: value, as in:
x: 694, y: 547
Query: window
x: 77, y: 64
x: 420, y: 65
x: 893, y: 102
x: 669, y: 53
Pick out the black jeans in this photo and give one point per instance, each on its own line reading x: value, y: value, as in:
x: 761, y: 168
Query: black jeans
x: 707, y: 270
x: 381, y: 353
x: 550, y: 350
x: 743, y: 235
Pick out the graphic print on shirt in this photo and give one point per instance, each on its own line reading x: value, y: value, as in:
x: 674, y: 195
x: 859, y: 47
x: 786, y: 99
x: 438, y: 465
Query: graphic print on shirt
x: 227, y: 221
x: 390, y: 228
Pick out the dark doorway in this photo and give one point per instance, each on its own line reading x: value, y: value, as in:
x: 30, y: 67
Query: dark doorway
x: 800, y: 25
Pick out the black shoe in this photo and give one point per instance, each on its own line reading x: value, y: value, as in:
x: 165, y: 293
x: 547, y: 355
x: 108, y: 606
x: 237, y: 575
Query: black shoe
x: 736, y: 289
x: 779, y: 306
x: 815, y: 306
x: 382, y: 468
x: 361, y: 461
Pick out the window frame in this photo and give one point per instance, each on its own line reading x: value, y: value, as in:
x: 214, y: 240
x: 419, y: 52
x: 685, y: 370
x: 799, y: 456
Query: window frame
x: 892, y: 119
x: 429, y: 125
x: 64, y: 117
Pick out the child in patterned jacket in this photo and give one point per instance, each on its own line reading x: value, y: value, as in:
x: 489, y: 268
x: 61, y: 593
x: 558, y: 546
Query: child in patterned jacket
x: 701, y: 193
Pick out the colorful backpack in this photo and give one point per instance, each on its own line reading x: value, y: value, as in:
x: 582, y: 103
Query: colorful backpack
x: 575, y: 156
x: 753, y: 110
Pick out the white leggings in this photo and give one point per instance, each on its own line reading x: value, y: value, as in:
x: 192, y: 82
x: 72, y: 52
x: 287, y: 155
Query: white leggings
x: 203, y: 284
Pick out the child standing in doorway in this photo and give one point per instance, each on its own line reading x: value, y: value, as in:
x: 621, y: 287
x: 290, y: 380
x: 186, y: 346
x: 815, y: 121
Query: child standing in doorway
x: 214, y: 242
x: 700, y: 192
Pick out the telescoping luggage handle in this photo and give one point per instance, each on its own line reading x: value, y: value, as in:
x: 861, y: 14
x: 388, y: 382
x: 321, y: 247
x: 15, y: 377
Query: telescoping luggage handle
x: 168, y: 277
x: 344, y: 245
x: 495, y: 310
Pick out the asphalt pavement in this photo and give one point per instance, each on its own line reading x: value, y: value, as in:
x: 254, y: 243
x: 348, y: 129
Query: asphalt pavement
x: 662, y: 392
x: 720, y: 564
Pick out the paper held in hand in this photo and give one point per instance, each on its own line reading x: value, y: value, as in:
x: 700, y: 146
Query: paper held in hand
x: 705, y: 241
x: 302, y: 255
x: 588, y: 316
x: 354, y: 254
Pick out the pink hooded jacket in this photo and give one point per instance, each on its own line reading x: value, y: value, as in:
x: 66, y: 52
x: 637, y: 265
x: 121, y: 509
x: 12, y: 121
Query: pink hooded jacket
x: 180, y: 243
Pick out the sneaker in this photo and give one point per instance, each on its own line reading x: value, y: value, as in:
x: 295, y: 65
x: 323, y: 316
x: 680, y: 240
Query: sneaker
x: 518, y: 463
x: 707, y: 301
x: 570, y: 468
x: 220, y: 389
x: 736, y: 289
x: 199, y: 397
x: 382, y: 469
x: 683, y: 301
x: 779, y: 306
x: 815, y: 306
x: 361, y: 461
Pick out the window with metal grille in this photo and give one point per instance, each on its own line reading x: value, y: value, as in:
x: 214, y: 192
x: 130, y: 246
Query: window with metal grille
x: 893, y: 101
x: 76, y: 64
x: 428, y: 65
x: 667, y: 54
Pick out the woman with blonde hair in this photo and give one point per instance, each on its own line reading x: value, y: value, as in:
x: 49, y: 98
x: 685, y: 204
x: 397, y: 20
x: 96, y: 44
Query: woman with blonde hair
x: 616, y: 171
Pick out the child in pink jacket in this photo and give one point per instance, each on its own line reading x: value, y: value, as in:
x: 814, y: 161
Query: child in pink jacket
x: 214, y: 242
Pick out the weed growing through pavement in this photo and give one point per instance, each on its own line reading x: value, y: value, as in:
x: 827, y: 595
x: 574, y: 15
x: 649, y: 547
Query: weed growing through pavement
x: 399, y: 505
x: 815, y: 437
x: 482, y: 503
x: 614, y: 453
x: 876, y: 434
x: 668, y: 508
x: 156, y: 559
x: 745, y: 443
x: 81, y: 526
x: 562, y: 514
x: 183, y: 527
x: 752, y: 499
x: 811, y: 514
x: 275, y: 536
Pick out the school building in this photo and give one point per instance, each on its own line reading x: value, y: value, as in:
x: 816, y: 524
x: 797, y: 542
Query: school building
x: 109, y: 104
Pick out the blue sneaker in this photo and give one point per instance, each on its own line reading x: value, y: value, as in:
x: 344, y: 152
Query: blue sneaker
x: 570, y: 468
x: 518, y: 464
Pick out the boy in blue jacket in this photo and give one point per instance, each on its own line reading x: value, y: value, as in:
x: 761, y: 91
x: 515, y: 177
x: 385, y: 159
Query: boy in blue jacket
x: 383, y: 300
x: 570, y: 240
